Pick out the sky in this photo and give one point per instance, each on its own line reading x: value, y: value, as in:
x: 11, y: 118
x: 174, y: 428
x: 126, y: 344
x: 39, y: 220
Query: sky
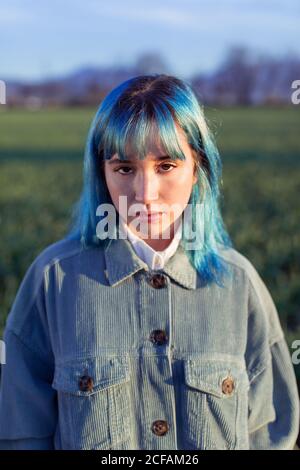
x: 40, y: 39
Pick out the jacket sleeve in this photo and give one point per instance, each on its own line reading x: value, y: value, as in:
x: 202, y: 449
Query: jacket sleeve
x: 28, y: 405
x: 274, y: 403
x: 273, y: 413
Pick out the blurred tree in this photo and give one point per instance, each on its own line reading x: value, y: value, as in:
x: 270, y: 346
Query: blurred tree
x: 237, y: 74
x: 151, y: 62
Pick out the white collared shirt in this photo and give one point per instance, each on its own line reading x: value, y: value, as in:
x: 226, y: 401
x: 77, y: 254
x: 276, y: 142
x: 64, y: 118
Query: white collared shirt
x: 154, y: 259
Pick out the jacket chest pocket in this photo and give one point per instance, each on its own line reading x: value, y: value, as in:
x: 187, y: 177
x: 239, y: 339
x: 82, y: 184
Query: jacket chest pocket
x: 94, y: 403
x: 215, y: 404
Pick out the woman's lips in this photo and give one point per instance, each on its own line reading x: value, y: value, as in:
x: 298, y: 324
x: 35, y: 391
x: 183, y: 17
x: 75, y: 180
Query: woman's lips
x: 150, y: 216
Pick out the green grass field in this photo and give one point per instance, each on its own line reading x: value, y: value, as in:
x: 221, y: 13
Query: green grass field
x: 40, y: 178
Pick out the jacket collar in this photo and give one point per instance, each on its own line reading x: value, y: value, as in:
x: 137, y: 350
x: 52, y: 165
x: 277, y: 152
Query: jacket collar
x: 146, y: 252
x: 122, y: 262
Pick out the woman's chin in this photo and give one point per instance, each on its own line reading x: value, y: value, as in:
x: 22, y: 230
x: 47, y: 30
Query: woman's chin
x: 154, y: 231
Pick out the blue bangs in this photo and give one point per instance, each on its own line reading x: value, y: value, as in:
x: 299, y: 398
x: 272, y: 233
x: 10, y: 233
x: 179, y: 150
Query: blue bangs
x: 129, y: 131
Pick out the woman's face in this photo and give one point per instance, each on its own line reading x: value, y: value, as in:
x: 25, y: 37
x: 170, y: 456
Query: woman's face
x: 157, y: 185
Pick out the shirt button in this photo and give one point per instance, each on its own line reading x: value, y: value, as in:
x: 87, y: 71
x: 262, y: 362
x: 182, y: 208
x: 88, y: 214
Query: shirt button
x: 160, y: 427
x: 158, y: 281
x: 227, y: 386
x: 86, y: 383
x: 158, y: 337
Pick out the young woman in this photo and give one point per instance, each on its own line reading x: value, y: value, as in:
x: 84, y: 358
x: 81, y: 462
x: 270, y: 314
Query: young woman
x: 144, y: 328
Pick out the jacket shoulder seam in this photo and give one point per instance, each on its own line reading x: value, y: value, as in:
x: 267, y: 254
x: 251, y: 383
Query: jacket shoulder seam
x: 35, y: 352
x: 57, y: 258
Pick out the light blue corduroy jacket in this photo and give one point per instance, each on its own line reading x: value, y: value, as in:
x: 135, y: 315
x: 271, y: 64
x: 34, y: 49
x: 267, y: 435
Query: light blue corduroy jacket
x: 104, y: 353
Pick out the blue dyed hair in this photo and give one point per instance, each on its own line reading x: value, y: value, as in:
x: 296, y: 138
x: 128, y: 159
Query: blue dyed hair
x: 126, y: 116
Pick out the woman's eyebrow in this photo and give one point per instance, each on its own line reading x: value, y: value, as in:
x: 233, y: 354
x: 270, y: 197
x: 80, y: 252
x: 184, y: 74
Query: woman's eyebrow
x: 118, y: 160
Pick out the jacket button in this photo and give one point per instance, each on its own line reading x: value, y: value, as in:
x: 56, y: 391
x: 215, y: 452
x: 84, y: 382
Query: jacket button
x: 227, y: 386
x: 158, y: 281
x: 86, y: 383
x: 158, y: 337
x: 160, y: 427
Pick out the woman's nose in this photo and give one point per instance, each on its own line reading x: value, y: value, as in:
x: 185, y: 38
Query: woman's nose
x: 146, y: 187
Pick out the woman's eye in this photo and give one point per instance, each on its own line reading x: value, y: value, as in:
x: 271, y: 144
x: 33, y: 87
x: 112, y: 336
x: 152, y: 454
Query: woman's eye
x: 167, y: 167
x: 124, y: 170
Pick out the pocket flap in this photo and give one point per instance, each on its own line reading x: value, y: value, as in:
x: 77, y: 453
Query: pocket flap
x: 219, y: 378
x: 87, y: 376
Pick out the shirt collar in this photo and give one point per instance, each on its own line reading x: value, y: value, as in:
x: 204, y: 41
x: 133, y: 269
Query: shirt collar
x: 122, y: 262
x: 154, y: 259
